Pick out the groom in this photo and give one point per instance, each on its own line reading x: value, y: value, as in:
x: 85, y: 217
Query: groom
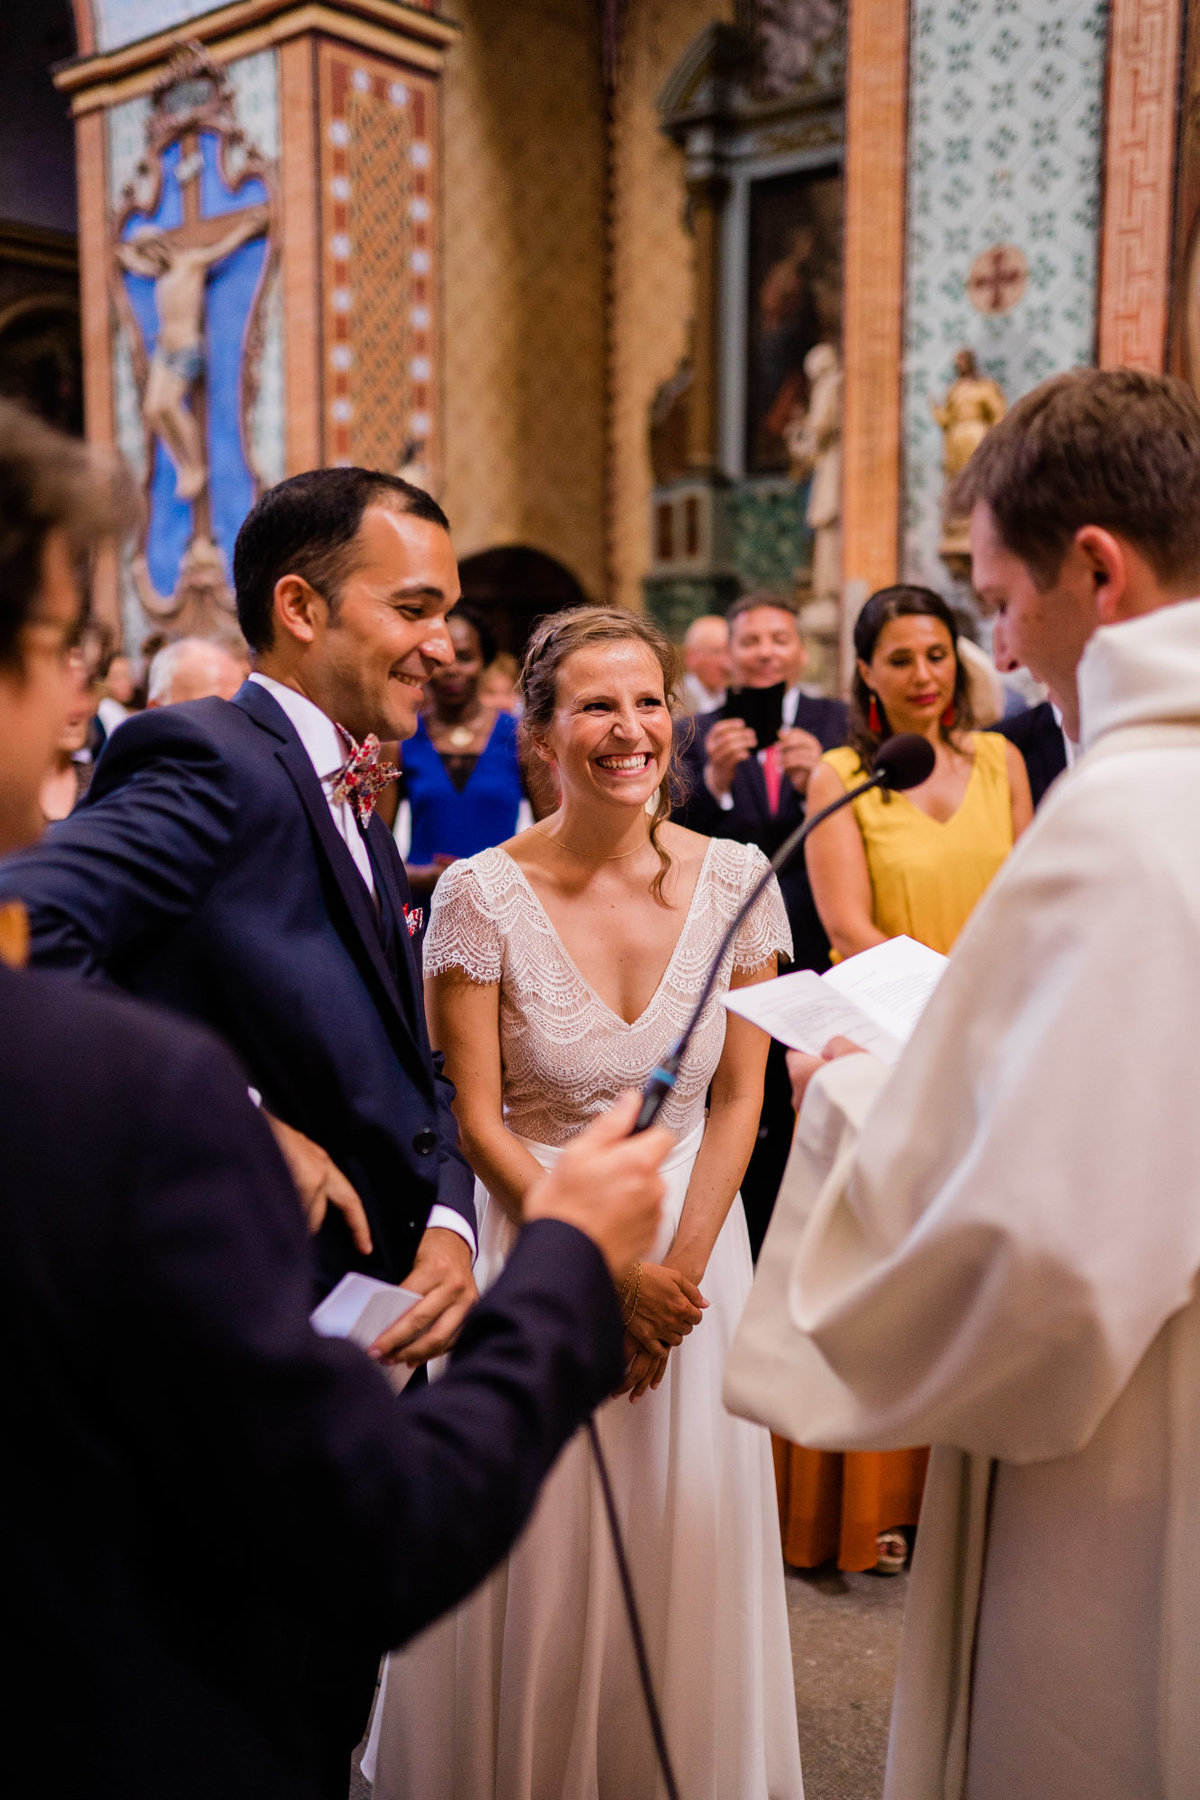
x: 222, y: 868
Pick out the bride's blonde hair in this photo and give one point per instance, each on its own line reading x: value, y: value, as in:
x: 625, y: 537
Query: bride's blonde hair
x: 579, y: 628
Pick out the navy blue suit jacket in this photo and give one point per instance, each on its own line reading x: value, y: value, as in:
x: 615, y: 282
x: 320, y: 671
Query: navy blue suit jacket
x: 751, y: 821
x: 193, y: 1480
x: 1039, y: 737
x: 204, y: 872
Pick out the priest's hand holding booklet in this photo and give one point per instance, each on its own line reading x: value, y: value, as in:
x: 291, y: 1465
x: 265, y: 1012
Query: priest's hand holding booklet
x: 871, y: 1001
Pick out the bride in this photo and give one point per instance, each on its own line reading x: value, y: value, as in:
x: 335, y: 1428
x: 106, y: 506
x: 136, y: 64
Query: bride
x: 560, y: 967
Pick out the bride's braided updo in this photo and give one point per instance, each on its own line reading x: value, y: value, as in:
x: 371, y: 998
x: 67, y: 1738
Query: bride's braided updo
x: 580, y: 628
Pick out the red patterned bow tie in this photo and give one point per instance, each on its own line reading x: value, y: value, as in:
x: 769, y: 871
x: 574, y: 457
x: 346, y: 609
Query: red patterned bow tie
x: 362, y: 776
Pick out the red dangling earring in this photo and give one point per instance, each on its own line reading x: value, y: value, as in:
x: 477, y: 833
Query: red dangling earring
x: 948, y: 717
x: 874, y: 722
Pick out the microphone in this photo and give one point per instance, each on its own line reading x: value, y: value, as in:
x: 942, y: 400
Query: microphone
x: 903, y: 761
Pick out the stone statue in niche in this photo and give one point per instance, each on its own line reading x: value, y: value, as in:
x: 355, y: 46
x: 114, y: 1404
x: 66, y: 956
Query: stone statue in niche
x: 791, y: 35
x: 972, y: 404
x: 179, y: 272
x: 814, y: 439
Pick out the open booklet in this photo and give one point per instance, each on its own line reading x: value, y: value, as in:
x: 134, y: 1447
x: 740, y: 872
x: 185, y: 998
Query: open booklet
x: 359, y: 1308
x: 874, y: 998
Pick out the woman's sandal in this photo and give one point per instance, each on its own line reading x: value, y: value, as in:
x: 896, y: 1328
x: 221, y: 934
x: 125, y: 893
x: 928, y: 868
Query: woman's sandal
x: 892, y: 1548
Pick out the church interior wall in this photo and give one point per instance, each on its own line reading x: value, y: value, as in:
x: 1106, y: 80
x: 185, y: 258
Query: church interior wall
x: 1006, y: 118
x: 524, y: 282
x: 653, y: 266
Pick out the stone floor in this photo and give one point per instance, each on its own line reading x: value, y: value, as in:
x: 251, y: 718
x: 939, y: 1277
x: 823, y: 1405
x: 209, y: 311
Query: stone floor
x: 845, y: 1640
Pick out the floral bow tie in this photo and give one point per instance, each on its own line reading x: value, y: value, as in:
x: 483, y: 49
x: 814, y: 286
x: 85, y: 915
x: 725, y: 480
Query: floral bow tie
x: 362, y: 777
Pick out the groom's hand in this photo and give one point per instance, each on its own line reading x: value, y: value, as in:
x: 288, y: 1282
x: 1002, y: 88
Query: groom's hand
x: 442, y: 1273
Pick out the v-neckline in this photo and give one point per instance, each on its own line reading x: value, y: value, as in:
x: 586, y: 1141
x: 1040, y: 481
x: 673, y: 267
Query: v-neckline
x: 629, y: 1024
x: 943, y: 823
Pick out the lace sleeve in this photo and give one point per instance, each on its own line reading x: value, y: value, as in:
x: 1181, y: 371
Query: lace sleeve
x: 462, y: 933
x: 765, y: 932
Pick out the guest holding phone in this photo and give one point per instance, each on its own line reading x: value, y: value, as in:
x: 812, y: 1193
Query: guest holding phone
x: 747, y: 768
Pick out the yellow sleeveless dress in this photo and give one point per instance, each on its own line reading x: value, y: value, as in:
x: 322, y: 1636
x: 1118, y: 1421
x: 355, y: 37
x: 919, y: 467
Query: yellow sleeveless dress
x: 928, y: 876
x: 926, y: 879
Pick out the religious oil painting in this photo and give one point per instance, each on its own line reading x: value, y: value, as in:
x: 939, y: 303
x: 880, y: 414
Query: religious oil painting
x: 795, y: 290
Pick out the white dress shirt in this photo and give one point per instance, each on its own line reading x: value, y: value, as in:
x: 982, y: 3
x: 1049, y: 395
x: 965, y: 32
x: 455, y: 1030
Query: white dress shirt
x: 327, y: 754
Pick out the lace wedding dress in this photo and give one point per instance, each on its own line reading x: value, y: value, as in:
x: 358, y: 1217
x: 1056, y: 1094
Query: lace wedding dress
x: 529, y: 1690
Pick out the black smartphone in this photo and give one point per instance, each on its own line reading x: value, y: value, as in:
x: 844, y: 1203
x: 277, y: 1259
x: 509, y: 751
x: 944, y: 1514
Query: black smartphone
x: 760, y: 709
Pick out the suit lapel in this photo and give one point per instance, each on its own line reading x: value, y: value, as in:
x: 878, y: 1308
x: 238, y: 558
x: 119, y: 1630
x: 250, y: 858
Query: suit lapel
x: 356, y: 899
x: 393, y: 890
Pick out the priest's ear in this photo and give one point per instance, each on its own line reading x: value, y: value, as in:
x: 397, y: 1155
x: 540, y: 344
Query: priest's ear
x: 1103, y: 563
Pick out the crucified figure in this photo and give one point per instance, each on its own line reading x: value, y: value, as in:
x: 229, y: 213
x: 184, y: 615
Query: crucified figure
x: 179, y: 273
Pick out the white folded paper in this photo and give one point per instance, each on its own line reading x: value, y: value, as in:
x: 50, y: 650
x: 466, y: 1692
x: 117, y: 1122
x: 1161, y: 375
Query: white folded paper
x: 359, y: 1308
x: 874, y: 998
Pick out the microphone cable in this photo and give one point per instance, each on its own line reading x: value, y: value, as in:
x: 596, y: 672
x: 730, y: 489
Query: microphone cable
x: 904, y: 761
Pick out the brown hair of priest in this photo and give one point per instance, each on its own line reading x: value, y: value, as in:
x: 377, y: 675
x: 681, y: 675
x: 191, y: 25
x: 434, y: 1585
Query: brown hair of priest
x: 50, y: 483
x: 901, y: 602
x: 1110, y: 447
x: 580, y: 628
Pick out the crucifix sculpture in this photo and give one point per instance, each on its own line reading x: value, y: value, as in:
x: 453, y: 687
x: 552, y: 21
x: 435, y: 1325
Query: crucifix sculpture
x: 178, y: 261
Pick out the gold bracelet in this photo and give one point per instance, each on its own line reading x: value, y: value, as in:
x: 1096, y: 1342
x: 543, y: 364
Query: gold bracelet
x: 629, y: 1305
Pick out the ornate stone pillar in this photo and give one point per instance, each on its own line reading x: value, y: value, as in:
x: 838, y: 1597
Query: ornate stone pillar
x: 258, y: 195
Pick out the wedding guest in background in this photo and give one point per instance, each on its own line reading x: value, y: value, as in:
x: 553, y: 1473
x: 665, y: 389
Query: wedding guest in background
x: 498, y: 686
x: 757, y: 794
x: 559, y: 966
x: 916, y: 863
x: 1039, y: 735
x: 462, y: 773
x: 193, y: 1479
x: 706, y: 663
x: 69, y: 776
x: 192, y: 668
x: 117, y: 690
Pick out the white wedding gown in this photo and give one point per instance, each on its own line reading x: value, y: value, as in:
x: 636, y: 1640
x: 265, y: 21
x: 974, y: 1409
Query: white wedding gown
x: 529, y: 1690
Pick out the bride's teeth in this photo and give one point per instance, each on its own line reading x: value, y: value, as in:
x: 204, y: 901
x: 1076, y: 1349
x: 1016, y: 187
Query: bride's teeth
x: 623, y: 762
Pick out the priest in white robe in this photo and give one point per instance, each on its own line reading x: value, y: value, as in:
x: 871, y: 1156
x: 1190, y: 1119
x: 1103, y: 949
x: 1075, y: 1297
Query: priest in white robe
x: 994, y: 1248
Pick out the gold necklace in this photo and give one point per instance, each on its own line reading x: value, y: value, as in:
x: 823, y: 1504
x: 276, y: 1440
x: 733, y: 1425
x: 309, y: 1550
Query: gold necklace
x: 461, y: 737
x: 563, y: 845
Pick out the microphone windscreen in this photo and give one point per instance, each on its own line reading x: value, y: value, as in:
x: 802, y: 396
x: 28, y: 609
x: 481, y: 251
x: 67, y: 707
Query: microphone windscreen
x: 905, y: 761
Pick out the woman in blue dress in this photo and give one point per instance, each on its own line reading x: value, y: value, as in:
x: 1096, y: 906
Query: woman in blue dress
x: 462, y: 772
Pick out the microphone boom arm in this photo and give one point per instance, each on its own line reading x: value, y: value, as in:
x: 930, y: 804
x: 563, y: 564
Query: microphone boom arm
x: 663, y: 1080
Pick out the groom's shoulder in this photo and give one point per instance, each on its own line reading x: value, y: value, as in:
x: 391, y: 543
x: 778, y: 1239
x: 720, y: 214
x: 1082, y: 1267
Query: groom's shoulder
x: 216, y: 738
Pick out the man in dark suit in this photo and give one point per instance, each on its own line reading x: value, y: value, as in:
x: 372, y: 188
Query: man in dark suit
x: 1039, y: 736
x: 756, y: 795
x: 192, y: 1477
x: 215, y: 870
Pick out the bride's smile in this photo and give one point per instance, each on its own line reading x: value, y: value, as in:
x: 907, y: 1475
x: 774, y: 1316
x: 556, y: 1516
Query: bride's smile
x: 610, y: 737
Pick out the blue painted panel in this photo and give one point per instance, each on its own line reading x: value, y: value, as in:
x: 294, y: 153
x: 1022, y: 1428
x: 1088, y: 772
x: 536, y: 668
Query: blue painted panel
x: 215, y: 197
x: 230, y: 293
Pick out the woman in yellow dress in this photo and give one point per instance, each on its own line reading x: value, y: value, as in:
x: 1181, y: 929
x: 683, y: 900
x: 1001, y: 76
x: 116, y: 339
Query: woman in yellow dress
x: 915, y: 863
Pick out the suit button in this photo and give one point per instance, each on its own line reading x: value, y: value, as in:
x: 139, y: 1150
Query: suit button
x: 425, y: 1142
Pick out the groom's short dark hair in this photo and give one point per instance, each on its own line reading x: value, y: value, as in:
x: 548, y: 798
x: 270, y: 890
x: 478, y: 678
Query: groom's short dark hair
x: 306, y: 526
